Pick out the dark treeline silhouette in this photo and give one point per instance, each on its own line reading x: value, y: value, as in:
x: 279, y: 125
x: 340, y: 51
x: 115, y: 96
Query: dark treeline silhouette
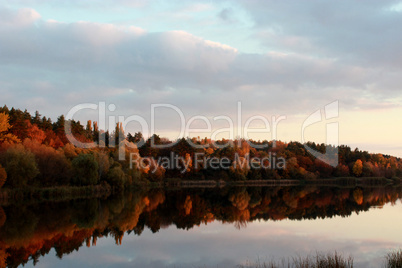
x: 30, y: 230
x: 35, y: 152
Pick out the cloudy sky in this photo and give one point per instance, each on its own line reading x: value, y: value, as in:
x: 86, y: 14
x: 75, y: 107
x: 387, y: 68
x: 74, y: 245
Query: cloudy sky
x: 278, y: 58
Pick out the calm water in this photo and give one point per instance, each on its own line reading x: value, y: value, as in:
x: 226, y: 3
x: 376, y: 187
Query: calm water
x: 204, y: 227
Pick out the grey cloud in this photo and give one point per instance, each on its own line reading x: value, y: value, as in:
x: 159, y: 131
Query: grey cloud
x: 356, y: 32
x: 226, y: 14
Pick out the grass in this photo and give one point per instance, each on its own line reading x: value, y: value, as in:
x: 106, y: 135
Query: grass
x: 394, y: 259
x: 320, y: 260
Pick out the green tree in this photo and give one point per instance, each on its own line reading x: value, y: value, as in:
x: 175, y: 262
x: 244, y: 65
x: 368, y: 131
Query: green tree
x: 58, y: 128
x: 85, y: 170
x: 116, y: 178
x: 137, y: 138
x: 20, y: 166
x: 118, y: 134
x: 95, y: 132
x: 88, y: 130
x: 103, y: 163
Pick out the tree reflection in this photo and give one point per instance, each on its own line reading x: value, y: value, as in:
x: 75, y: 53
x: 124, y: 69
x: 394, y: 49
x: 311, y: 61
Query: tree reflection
x: 31, y: 230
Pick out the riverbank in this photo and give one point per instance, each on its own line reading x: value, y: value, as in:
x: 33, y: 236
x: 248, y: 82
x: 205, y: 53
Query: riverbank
x: 104, y: 190
x: 341, y: 181
x: 55, y: 193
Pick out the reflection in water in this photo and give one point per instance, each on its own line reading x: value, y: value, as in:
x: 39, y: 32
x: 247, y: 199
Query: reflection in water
x: 29, y: 231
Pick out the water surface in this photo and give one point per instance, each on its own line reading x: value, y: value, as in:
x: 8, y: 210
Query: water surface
x: 204, y: 227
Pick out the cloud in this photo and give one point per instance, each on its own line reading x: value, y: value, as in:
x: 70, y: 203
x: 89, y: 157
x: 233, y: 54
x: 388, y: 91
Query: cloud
x: 314, y: 53
x: 129, y: 57
x: 354, y: 32
x: 20, y: 18
x: 225, y: 14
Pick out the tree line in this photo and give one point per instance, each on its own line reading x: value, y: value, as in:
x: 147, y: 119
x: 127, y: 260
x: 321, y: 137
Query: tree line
x: 35, y: 152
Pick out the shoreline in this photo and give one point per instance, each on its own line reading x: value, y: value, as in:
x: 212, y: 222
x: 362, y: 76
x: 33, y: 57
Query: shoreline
x: 341, y: 182
x: 62, y: 193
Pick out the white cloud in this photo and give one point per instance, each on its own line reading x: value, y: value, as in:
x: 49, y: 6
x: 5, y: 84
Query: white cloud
x: 20, y: 18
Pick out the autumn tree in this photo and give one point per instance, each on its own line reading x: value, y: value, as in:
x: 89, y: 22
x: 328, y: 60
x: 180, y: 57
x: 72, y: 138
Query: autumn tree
x: 70, y: 151
x: 53, y: 165
x: 358, y: 168
x: 342, y: 171
x: 4, y: 128
x: 35, y: 133
x: 367, y: 170
x: 292, y: 170
x: 323, y: 168
x: 52, y: 139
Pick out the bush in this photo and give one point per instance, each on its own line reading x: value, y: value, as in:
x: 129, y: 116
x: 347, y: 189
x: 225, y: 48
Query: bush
x: 85, y: 170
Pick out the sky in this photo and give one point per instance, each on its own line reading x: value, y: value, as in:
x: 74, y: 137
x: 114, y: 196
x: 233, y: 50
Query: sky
x: 275, y: 58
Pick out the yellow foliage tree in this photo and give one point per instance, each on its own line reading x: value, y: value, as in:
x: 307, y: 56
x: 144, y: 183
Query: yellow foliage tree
x: 358, y: 168
x: 4, y: 127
